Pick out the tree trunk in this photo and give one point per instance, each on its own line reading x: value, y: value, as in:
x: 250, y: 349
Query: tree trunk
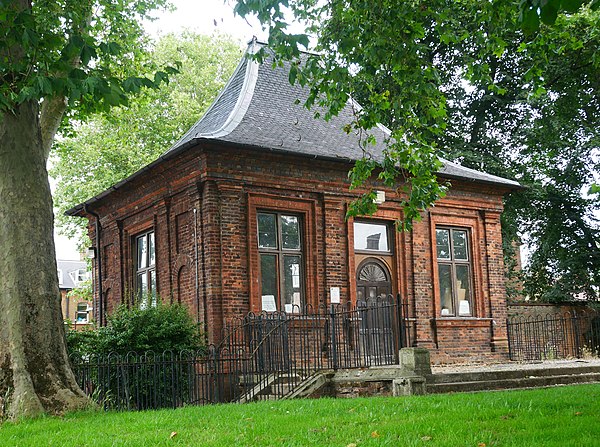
x: 35, y: 375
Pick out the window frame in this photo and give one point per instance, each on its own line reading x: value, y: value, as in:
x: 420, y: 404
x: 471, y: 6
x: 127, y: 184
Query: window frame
x: 281, y: 253
x: 147, y: 270
x: 453, y: 263
x: 87, y: 313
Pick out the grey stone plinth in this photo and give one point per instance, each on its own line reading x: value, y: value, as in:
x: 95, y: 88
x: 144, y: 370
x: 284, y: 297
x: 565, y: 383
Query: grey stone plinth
x: 408, y: 386
x: 415, y: 360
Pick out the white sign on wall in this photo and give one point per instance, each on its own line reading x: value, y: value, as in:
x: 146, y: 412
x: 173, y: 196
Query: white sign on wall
x: 334, y: 295
x: 268, y: 303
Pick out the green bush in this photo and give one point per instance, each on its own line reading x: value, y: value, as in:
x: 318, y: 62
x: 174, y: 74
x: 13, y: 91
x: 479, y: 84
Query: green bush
x: 124, y: 364
x: 157, y: 329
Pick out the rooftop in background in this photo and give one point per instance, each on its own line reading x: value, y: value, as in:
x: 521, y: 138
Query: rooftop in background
x: 71, y: 273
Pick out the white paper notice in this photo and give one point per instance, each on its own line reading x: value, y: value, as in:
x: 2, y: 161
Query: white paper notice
x: 295, y: 275
x: 334, y: 294
x: 268, y: 303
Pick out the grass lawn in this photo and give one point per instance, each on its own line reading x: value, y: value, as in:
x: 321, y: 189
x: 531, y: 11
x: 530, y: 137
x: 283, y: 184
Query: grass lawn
x: 563, y: 416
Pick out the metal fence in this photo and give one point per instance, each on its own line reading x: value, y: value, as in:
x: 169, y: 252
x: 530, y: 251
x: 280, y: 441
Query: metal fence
x: 262, y: 356
x: 554, y: 336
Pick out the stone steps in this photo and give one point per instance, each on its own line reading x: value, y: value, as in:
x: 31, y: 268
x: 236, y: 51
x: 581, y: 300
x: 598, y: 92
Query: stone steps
x: 510, y: 379
x: 270, y: 387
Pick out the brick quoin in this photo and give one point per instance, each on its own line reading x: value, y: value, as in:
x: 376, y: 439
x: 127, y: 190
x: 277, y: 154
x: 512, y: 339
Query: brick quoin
x: 202, y: 206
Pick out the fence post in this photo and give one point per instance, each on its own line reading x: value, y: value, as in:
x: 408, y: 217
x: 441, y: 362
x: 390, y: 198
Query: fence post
x: 214, y: 366
x: 508, y: 339
x: 575, y: 329
x: 401, y: 326
x: 334, y: 358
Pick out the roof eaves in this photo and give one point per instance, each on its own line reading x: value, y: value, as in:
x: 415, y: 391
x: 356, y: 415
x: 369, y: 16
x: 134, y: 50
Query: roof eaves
x: 478, y: 176
x: 77, y: 209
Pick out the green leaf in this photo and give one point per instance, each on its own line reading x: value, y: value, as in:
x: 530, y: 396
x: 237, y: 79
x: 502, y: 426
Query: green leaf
x: 594, y: 189
x: 160, y: 76
x: 44, y: 85
x: 530, y: 21
x: 549, y: 12
x: 87, y: 54
x: 293, y: 73
x: 571, y: 6
x: 132, y: 85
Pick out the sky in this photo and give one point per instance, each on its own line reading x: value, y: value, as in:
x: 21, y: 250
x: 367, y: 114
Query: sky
x: 202, y: 16
x: 205, y: 17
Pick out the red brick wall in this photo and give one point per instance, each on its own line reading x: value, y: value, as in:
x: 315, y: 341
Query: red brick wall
x: 226, y: 187
x: 534, y: 310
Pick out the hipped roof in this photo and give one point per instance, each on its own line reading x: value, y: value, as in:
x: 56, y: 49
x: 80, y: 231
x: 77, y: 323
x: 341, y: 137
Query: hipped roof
x: 259, y: 108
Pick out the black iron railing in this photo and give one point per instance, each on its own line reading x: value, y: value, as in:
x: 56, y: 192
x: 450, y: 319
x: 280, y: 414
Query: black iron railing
x: 261, y: 356
x: 554, y: 336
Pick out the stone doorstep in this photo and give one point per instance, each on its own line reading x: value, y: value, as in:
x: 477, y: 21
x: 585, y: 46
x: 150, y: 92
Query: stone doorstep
x: 478, y: 376
x: 403, y: 382
x: 516, y: 383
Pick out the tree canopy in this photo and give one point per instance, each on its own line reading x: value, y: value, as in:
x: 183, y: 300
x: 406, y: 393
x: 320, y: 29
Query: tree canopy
x: 511, y: 90
x: 109, y: 146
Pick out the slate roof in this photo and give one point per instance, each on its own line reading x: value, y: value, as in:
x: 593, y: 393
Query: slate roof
x: 260, y: 108
x: 67, y: 270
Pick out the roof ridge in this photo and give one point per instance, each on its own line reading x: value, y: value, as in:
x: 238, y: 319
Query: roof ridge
x: 250, y: 68
x: 243, y: 101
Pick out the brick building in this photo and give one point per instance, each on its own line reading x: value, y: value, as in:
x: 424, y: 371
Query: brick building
x: 246, y: 212
x: 77, y: 310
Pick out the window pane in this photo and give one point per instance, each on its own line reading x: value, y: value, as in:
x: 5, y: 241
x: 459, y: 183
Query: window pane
x: 82, y: 312
x: 151, y: 249
x: 268, y: 275
x: 370, y: 236
x: 142, y: 251
x: 152, y: 291
x: 459, y: 242
x: 292, y: 294
x: 290, y: 232
x: 142, y: 289
x: 360, y: 293
x: 463, y: 289
x: 143, y: 278
x: 445, y: 274
x: 267, y: 231
x: 442, y: 238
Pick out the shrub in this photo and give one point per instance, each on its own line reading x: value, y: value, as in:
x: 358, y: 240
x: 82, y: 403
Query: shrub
x: 158, y: 329
x: 106, y: 368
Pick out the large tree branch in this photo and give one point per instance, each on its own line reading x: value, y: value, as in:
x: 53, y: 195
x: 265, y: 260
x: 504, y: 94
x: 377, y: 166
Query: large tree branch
x: 54, y: 108
x: 51, y: 115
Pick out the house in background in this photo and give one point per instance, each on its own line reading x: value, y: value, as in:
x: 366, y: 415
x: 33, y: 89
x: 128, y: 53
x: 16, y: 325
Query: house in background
x: 71, y: 275
x: 246, y: 213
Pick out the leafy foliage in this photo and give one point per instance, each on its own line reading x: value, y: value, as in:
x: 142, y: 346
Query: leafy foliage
x: 89, y: 55
x: 158, y: 329
x: 477, y: 83
x: 532, y: 13
x: 108, y: 147
x: 543, y: 130
x: 83, y: 291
